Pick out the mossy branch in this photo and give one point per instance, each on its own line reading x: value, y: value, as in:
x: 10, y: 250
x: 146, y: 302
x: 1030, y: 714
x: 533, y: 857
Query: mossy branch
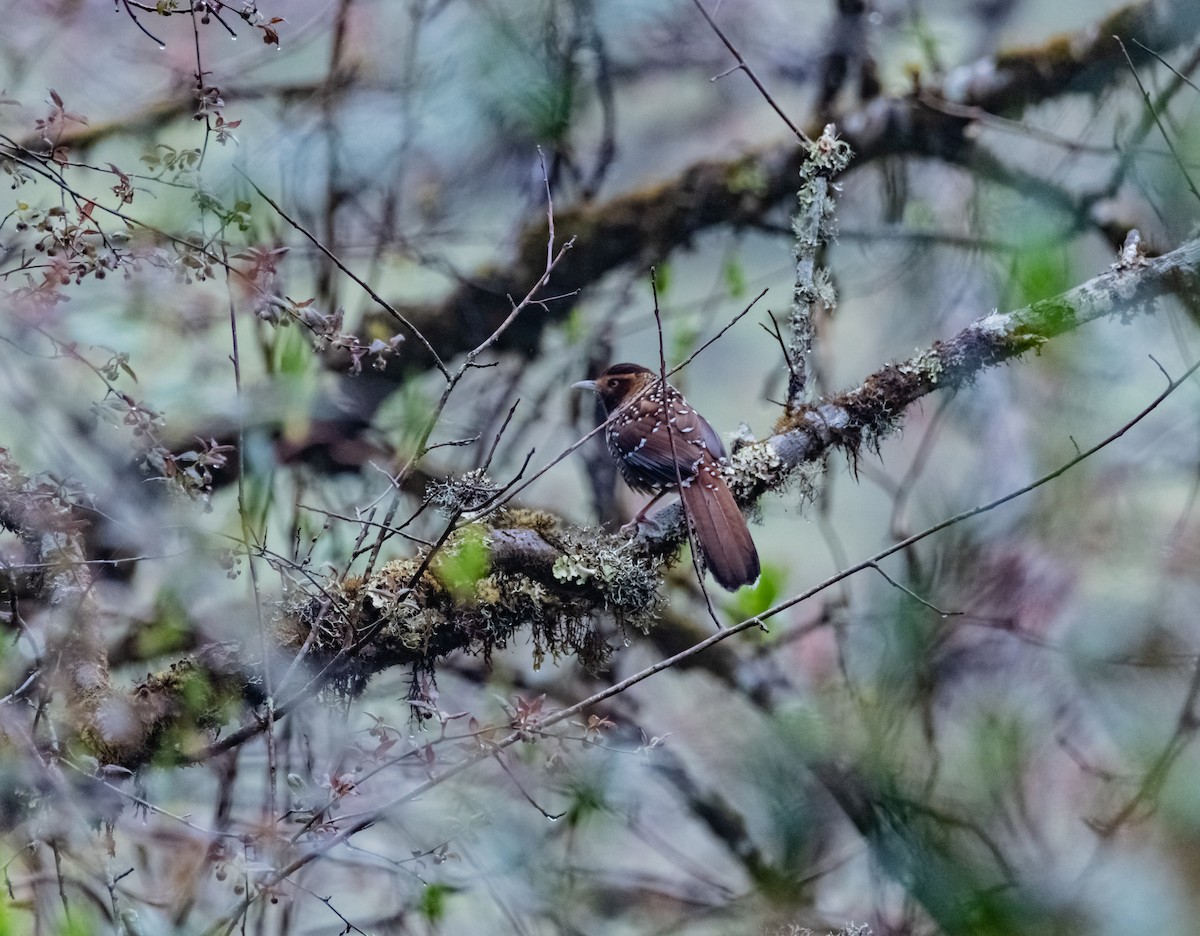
x: 814, y: 226
x: 115, y: 726
x: 518, y: 572
x: 863, y: 416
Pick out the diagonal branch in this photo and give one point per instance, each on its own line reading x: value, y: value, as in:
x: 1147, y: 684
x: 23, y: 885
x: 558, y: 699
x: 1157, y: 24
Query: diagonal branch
x: 867, y: 413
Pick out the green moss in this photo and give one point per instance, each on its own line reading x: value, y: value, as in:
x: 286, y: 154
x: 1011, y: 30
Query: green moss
x: 462, y: 562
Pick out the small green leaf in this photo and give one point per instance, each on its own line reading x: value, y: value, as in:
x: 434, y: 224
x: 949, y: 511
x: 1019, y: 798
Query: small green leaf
x: 433, y: 902
x: 1040, y: 272
x: 662, y: 279
x: 415, y: 408
x: 683, y: 339
x: 168, y: 628
x: 463, y: 563
x: 575, y: 328
x: 587, y: 800
x: 751, y: 602
x: 735, y: 276
x: 292, y: 353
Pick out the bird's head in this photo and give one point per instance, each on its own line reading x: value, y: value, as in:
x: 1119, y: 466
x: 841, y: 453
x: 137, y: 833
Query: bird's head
x: 618, y: 384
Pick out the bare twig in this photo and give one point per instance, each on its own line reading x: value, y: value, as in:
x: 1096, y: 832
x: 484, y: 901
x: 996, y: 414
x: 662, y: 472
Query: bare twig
x: 741, y: 64
x: 138, y: 24
x: 912, y: 594
x: 669, y: 418
x: 370, y: 291
x: 705, y: 345
x: 247, y: 536
x: 1157, y: 120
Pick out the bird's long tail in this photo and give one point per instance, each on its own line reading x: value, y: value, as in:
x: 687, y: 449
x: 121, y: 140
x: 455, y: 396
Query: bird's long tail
x: 720, y: 529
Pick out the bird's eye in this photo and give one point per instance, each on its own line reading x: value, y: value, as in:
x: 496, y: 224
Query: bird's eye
x: 612, y: 381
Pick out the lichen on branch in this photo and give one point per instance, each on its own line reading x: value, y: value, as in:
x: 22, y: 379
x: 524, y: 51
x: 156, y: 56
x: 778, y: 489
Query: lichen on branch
x: 519, y: 571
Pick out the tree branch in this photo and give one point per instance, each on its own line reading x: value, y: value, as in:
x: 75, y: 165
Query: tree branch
x: 647, y: 224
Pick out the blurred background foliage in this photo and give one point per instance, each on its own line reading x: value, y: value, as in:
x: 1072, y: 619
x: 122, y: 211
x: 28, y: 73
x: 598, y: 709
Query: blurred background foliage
x: 1000, y: 746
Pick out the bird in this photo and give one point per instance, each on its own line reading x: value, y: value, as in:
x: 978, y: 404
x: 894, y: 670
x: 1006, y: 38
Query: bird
x: 660, y: 443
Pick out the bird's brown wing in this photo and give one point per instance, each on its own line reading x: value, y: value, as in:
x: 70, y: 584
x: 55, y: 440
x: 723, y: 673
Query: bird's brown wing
x: 651, y: 456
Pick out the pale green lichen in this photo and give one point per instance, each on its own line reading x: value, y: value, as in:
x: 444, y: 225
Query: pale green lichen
x: 469, y: 491
x: 574, y: 569
x: 627, y: 582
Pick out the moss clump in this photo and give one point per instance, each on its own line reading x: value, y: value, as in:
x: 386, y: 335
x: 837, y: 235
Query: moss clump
x: 537, y: 520
x: 486, y: 585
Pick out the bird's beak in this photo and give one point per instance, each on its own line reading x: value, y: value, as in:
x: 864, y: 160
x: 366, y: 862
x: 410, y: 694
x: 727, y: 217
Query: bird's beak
x: 585, y: 385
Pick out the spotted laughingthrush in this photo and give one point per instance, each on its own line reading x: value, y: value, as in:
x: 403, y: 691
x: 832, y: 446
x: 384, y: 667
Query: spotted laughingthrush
x: 661, y: 443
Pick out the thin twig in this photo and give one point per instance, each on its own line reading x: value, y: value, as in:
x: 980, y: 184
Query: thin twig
x: 521, y: 789
x: 496, y: 441
x: 777, y: 334
x: 1158, y: 120
x: 703, y: 347
x: 138, y: 24
x: 328, y: 902
x: 383, y: 303
x: 908, y: 481
x: 247, y: 533
x: 669, y: 416
x: 1162, y: 61
x: 552, y: 260
x: 912, y: 594
x: 800, y: 134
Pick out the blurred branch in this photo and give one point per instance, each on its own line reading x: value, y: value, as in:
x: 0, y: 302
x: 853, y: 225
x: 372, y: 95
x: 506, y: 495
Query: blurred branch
x: 1186, y: 725
x: 645, y: 225
x: 159, y: 114
x: 50, y: 529
x: 118, y: 727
